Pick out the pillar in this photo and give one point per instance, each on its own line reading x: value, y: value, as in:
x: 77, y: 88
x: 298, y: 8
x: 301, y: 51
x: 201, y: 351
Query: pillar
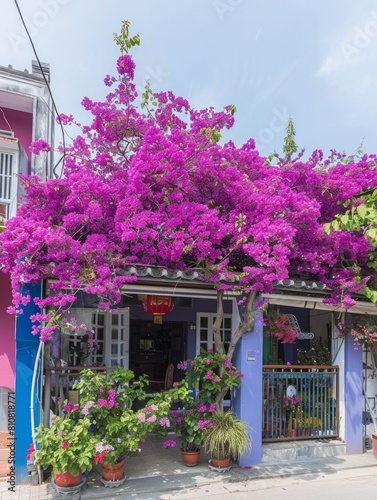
x: 26, y: 351
x: 353, y: 397
x: 248, y: 400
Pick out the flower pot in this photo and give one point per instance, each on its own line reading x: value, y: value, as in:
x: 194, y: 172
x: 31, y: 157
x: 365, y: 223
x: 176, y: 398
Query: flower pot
x: 220, y: 463
x: 67, y: 480
x: 190, y: 458
x: 374, y: 444
x: 113, y: 472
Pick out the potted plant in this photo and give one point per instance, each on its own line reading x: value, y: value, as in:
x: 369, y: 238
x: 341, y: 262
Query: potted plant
x: 190, y: 425
x: 212, y: 375
x: 228, y: 438
x: 318, y: 354
x: 67, y: 446
x: 123, y: 436
x: 118, y: 430
x: 292, y: 406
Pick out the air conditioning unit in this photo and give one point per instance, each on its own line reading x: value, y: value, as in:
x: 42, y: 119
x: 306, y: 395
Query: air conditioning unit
x: 7, y: 133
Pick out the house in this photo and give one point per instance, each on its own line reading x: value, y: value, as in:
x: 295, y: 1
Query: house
x: 131, y: 337
x: 25, y: 116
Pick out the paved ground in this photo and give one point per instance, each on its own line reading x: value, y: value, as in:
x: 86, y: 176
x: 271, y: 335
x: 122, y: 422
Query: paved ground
x: 158, y: 474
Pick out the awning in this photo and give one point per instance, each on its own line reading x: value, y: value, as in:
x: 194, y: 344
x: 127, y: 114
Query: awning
x: 307, y: 302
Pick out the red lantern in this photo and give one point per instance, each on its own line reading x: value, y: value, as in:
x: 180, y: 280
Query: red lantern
x: 158, y: 305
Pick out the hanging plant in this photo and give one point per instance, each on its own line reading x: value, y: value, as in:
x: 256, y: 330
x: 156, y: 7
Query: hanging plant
x: 278, y: 325
x: 363, y: 329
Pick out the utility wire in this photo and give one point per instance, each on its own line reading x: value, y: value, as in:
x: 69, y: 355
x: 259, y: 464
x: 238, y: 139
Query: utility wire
x: 5, y: 119
x: 48, y: 87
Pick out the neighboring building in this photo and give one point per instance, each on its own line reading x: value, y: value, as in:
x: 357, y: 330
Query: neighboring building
x: 25, y: 116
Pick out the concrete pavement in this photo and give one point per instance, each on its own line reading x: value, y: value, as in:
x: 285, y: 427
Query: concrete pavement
x: 158, y: 474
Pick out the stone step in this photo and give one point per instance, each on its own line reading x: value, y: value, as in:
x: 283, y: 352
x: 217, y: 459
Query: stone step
x: 291, y: 451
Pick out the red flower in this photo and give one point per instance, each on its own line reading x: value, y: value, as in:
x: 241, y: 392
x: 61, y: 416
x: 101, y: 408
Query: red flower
x: 65, y: 444
x: 99, y: 459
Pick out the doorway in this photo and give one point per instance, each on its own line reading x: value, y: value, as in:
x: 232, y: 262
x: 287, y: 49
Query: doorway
x: 154, y: 347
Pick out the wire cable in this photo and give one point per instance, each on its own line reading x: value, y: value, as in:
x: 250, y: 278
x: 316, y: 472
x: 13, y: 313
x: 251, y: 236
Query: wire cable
x: 47, y: 85
x: 5, y: 119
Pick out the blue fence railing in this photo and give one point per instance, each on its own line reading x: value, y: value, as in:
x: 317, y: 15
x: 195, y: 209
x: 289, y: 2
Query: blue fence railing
x: 313, y: 412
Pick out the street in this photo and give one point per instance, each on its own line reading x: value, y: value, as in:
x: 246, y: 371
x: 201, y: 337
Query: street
x: 346, y: 485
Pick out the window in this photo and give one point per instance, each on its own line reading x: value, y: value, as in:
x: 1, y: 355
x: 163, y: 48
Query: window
x: 110, y: 333
x: 205, y: 331
x: 9, y: 169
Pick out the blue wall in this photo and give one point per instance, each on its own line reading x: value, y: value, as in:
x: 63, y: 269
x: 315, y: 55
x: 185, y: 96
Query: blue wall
x: 26, y: 350
x: 353, y: 397
x: 248, y: 401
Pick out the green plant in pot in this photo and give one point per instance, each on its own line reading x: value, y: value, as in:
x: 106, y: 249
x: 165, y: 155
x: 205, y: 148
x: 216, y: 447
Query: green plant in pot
x: 228, y: 438
x: 190, y: 425
x: 67, y: 446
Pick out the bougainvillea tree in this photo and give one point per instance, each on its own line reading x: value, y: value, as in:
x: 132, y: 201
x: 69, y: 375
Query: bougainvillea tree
x: 151, y: 182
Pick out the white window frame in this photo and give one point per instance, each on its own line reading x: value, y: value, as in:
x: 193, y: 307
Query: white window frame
x: 9, y: 168
x: 115, y: 339
x: 208, y: 343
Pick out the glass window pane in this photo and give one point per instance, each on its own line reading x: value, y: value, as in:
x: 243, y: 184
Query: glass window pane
x: 204, y: 322
x: 114, y: 349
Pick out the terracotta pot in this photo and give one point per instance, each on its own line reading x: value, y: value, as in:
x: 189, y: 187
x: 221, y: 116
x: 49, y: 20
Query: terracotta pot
x: 113, y: 472
x: 374, y: 444
x: 215, y: 462
x: 190, y: 458
x: 66, y: 480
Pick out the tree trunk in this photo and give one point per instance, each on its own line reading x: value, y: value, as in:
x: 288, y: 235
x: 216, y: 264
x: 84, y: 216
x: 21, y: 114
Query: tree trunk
x: 219, y: 344
x: 246, y: 325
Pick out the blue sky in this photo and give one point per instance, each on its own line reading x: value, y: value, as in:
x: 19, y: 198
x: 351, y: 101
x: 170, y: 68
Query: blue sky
x: 314, y: 61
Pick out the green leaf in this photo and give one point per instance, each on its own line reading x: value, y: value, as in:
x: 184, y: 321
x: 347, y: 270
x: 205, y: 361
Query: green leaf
x: 362, y: 210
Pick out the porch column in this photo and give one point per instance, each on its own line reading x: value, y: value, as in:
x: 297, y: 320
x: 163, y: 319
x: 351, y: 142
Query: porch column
x: 248, y: 400
x: 26, y: 350
x: 353, y: 397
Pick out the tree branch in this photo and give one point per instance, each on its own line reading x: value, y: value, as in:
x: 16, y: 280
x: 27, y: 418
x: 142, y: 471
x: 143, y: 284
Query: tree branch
x: 219, y: 344
x: 247, y: 325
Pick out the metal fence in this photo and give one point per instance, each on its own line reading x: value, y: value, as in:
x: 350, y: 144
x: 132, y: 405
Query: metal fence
x: 316, y: 412
x: 59, y: 383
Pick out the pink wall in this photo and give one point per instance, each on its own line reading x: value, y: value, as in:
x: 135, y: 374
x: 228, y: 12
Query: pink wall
x: 21, y: 124
x: 7, y: 335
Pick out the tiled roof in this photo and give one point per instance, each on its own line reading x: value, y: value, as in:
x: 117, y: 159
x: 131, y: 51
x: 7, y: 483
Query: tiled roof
x: 157, y: 273
x: 313, y: 286
x: 162, y: 273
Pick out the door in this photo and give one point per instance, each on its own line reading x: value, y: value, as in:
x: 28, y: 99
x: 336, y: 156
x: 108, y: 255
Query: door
x: 118, y: 338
